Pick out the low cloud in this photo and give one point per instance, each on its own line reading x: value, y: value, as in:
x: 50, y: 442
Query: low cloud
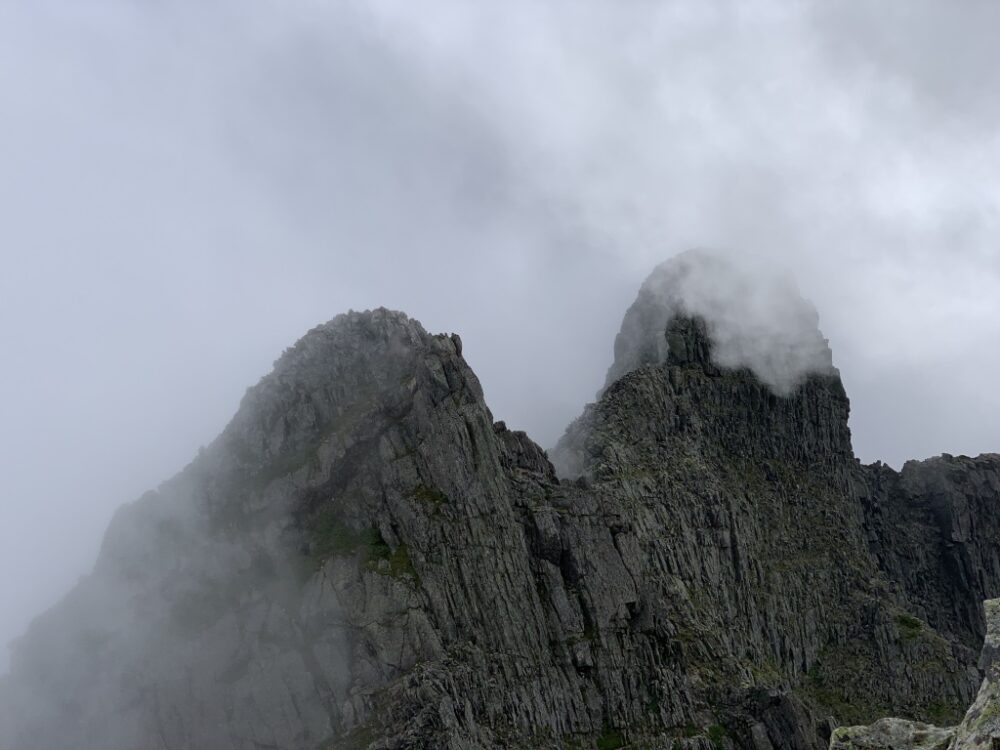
x: 755, y: 318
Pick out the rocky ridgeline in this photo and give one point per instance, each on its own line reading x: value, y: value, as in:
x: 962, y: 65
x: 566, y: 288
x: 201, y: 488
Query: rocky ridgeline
x: 364, y: 558
x: 979, y: 729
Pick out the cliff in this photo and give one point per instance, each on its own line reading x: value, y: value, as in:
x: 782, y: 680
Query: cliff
x: 979, y: 729
x: 365, y: 559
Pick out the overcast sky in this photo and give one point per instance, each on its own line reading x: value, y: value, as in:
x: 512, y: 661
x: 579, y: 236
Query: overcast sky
x: 186, y: 188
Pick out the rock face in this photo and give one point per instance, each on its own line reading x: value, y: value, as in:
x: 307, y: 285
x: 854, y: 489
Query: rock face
x: 979, y: 730
x: 934, y: 516
x: 365, y: 559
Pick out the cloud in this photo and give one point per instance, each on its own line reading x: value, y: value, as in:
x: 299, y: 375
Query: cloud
x: 755, y: 318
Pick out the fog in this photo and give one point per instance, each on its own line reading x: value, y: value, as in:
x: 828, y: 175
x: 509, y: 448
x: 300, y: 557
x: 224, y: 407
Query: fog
x: 755, y: 319
x: 186, y: 188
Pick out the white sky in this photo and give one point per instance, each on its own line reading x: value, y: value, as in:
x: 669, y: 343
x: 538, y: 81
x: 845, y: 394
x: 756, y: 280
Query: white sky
x: 186, y: 188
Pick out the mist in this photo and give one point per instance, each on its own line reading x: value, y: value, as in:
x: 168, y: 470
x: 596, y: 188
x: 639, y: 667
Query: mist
x: 187, y: 189
x: 754, y: 318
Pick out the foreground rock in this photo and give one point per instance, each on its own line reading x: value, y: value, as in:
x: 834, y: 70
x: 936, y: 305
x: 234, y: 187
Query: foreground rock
x: 898, y: 734
x: 979, y: 730
x: 365, y: 559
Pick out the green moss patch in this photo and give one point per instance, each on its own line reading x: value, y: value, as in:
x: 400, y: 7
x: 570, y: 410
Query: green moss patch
x: 610, y: 739
x: 909, y: 626
x: 830, y: 690
x: 717, y: 734
x: 431, y: 496
x: 332, y: 537
x: 944, y: 714
x: 357, y: 739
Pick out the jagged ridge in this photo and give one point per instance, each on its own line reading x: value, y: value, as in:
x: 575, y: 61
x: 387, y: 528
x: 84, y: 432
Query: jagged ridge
x: 364, y: 558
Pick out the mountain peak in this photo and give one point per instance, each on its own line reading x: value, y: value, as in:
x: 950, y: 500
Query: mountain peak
x: 365, y: 559
x: 688, y: 341
x: 750, y: 318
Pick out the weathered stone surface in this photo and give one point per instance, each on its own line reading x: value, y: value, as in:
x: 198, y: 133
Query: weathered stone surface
x: 898, y: 734
x: 979, y: 729
x: 364, y: 558
x: 930, y: 527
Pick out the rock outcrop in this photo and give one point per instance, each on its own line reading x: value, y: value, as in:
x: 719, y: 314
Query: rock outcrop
x: 979, y: 730
x: 365, y: 559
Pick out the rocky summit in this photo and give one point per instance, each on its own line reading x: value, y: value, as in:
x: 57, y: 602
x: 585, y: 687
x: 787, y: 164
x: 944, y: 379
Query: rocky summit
x: 365, y: 558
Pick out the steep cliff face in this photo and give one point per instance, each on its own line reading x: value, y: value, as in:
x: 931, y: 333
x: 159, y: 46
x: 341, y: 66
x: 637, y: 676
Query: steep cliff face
x: 364, y: 558
x: 978, y: 730
x: 931, y: 529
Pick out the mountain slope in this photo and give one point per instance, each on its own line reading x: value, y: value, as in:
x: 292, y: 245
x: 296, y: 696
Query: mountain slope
x: 364, y: 558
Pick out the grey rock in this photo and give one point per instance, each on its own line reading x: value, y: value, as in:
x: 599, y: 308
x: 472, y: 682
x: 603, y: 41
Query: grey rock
x: 898, y: 734
x: 365, y: 558
x: 979, y: 729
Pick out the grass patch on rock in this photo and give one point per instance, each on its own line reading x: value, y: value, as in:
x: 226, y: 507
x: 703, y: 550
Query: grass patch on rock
x: 332, y: 537
x: 610, y: 739
x: 717, y: 734
x: 358, y: 738
x: 430, y: 496
x: 943, y: 713
x: 909, y: 626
